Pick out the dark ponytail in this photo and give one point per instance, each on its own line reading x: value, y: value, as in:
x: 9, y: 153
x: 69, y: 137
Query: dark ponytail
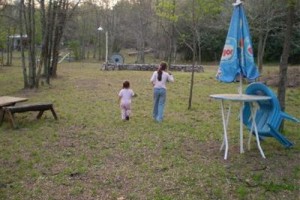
x: 162, y: 67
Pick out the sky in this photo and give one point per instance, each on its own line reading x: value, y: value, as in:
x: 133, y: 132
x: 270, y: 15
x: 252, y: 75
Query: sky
x: 113, y: 2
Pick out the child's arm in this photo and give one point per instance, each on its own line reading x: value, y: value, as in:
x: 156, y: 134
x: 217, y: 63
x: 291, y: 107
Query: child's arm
x: 170, y: 77
x: 119, y: 97
x: 133, y: 94
x: 153, y: 78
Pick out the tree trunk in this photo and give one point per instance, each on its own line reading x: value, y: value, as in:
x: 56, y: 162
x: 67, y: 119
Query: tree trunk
x: 2, y: 58
x: 44, y: 41
x: 199, y: 46
x: 51, y: 27
x: 21, y: 12
x: 11, y: 44
x: 30, y: 29
x: 99, y: 47
x: 194, y: 58
x: 172, y: 37
x: 261, y: 50
x: 8, y: 48
x: 140, y: 50
x: 33, y: 51
x: 59, y: 29
x: 284, y: 59
x: 259, y: 53
x: 46, y: 23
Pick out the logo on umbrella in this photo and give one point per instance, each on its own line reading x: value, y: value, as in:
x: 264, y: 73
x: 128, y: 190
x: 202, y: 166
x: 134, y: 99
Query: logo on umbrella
x: 237, y: 57
x: 229, y: 49
x: 249, y: 49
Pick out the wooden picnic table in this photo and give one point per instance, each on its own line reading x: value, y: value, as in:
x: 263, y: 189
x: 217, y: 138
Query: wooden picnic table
x: 8, y: 101
x: 7, y: 106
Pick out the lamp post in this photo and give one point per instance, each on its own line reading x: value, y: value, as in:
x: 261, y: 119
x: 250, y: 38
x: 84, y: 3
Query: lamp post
x: 106, y: 44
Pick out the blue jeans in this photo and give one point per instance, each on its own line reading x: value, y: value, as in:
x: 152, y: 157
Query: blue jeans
x: 159, y: 100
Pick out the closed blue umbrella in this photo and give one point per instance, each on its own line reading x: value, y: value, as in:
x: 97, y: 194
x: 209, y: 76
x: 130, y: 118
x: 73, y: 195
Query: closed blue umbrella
x: 237, y: 56
x: 237, y: 62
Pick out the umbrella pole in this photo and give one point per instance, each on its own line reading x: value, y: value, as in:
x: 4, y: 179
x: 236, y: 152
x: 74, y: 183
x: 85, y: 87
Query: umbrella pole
x: 241, y: 114
x: 240, y: 88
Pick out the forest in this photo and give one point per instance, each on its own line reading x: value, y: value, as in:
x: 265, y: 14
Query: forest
x: 173, y: 30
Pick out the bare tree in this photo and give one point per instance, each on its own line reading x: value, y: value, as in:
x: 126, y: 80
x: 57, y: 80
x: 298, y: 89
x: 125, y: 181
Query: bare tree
x: 29, y: 19
x: 53, y: 21
x: 285, y: 53
x: 46, y: 34
x: 195, y: 15
x: 141, y: 19
x: 265, y: 15
x: 21, y: 12
x: 194, y: 55
x: 9, y: 24
x: 166, y: 11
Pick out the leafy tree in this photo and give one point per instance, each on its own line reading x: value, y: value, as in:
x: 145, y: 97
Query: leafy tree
x: 206, y: 23
x: 8, y: 19
x: 195, y: 14
x: 166, y: 11
x: 53, y: 20
x: 29, y: 20
x: 132, y: 23
x: 21, y: 18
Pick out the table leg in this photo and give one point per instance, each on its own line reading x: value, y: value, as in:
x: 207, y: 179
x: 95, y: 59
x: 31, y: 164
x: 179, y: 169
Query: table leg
x: 252, y: 126
x: 227, y: 121
x: 250, y: 136
x: 225, y: 128
x: 253, y: 115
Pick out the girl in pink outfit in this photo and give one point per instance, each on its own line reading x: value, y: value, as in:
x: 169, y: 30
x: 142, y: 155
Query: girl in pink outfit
x: 125, y: 96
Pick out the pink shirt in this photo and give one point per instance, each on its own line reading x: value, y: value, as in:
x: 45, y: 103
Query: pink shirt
x: 126, y: 95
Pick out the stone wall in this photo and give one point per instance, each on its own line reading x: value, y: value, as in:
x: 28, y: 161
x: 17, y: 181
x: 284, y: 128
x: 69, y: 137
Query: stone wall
x: 150, y: 67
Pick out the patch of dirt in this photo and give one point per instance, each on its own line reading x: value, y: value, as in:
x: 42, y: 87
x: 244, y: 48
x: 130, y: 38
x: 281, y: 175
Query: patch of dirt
x: 272, y: 78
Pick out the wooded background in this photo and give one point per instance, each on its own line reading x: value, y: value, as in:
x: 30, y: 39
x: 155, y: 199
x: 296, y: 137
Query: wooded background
x: 174, y: 30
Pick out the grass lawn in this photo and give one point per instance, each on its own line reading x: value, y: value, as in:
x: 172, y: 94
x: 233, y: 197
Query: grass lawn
x: 90, y: 153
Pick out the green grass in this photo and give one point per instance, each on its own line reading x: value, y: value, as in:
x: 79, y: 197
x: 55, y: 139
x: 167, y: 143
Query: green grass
x: 90, y: 153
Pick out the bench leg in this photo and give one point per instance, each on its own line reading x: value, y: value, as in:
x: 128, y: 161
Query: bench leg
x: 53, y: 113
x: 11, y: 119
x: 42, y: 111
x: 40, y: 114
x: 2, y: 113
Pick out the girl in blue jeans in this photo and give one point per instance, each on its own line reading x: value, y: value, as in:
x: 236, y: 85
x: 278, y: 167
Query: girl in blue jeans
x: 159, y: 79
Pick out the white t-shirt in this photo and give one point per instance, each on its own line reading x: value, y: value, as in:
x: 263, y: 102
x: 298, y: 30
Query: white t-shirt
x: 126, y: 94
x: 166, y: 77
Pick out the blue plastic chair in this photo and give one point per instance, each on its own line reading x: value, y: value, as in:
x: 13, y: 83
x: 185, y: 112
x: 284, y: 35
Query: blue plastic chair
x: 269, y: 115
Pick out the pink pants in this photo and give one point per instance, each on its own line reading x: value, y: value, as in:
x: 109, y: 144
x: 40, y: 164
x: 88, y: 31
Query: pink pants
x: 125, y: 109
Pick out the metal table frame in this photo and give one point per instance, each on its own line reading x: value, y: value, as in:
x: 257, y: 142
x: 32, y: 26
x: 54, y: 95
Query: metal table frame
x: 241, y: 98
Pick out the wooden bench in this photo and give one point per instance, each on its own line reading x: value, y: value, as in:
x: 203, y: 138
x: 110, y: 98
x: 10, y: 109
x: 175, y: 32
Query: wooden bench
x: 41, y: 107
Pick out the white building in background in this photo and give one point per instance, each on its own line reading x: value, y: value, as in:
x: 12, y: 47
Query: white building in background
x: 16, y: 41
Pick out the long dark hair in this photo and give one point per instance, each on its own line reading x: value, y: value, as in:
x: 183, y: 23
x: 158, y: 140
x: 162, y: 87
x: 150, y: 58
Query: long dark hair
x: 162, y: 67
